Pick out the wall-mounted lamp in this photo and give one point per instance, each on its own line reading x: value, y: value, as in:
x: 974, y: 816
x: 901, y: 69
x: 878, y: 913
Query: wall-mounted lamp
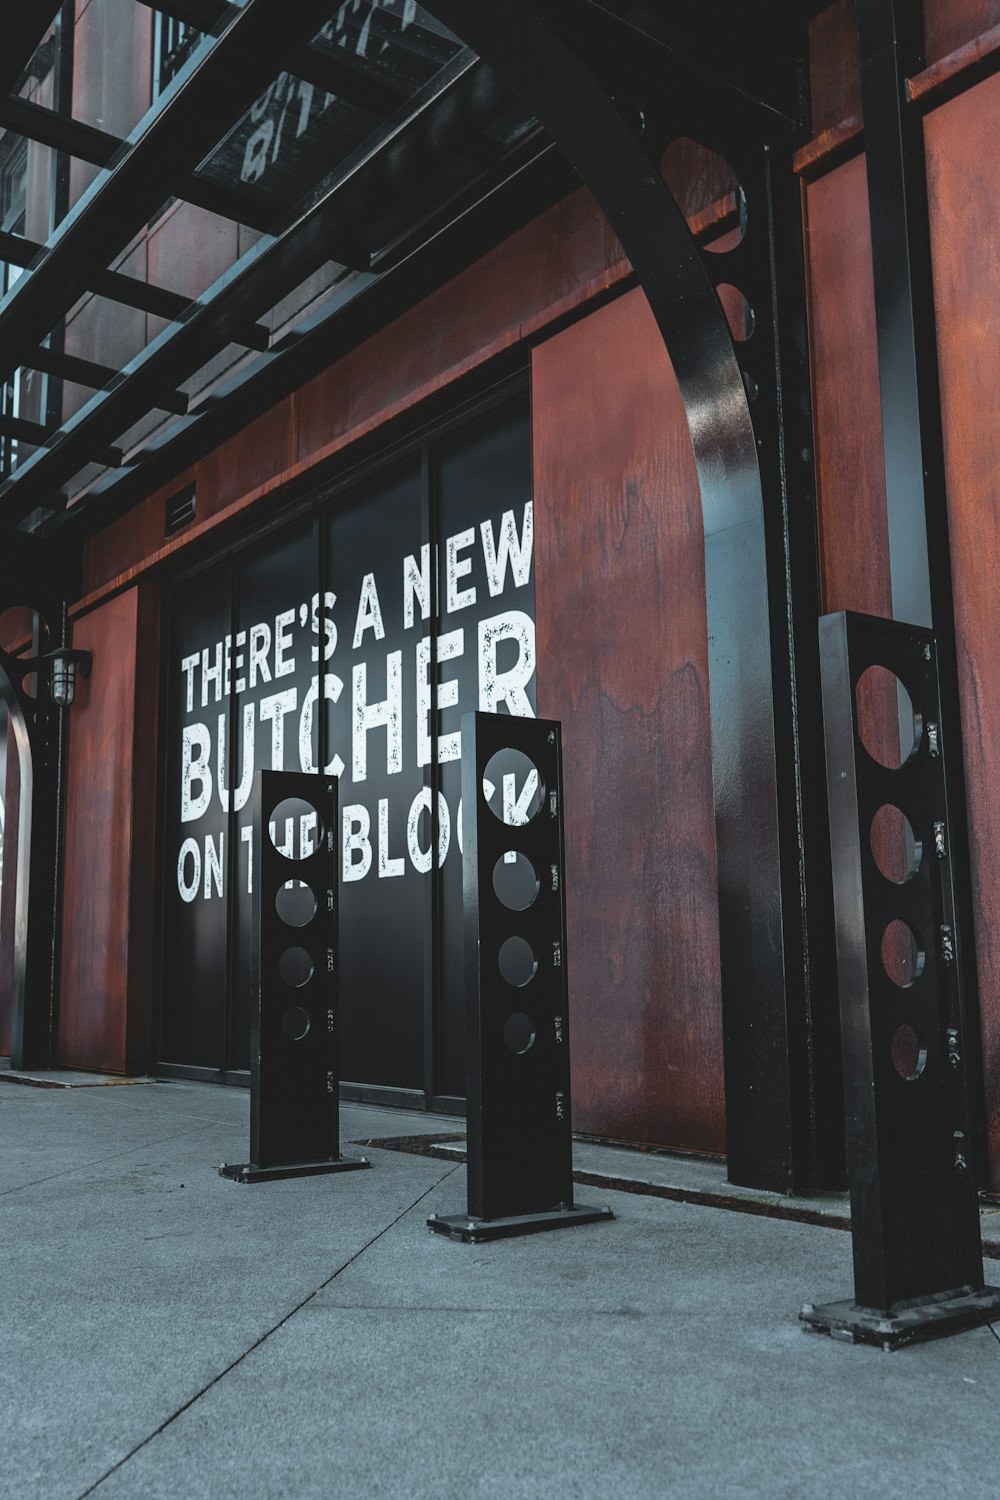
x: 63, y: 664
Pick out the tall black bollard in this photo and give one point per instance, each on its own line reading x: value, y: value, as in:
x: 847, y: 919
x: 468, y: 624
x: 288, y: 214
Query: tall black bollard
x: 520, y: 1173
x: 918, y: 1267
x: 294, y: 1078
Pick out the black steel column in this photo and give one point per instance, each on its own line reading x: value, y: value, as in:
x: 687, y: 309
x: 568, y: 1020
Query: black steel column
x: 891, y: 38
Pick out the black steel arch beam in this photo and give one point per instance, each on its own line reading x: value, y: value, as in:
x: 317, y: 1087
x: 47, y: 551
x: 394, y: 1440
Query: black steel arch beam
x: 570, y: 102
x: 40, y: 575
x: 224, y: 79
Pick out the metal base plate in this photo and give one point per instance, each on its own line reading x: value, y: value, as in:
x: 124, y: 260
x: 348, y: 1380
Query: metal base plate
x: 249, y: 1173
x: 934, y: 1318
x: 472, y: 1231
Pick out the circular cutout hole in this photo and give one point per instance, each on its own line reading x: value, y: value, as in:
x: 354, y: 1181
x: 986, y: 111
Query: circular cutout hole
x: 519, y: 1032
x: 295, y: 903
x: 517, y: 962
x: 896, y: 849
x: 295, y: 828
x: 888, y: 725
x: 295, y: 1023
x: 707, y: 192
x: 512, y: 787
x: 739, y: 313
x: 515, y: 881
x: 295, y: 967
x: 909, y: 1056
x: 902, y: 954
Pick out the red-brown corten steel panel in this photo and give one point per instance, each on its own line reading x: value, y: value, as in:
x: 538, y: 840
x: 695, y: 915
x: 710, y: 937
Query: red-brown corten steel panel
x: 553, y: 265
x: 850, y: 473
x: 623, y: 662
x: 103, y: 838
x: 550, y: 266
x: 950, y: 24
x: 963, y: 169
x: 267, y: 446
x: 834, y: 66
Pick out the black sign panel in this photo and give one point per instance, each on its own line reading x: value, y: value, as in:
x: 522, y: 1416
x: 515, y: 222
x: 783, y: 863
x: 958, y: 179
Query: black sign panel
x: 350, y: 644
x: 379, y: 641
x: 273, y: 721
x: 485, y: 650
x: 195, y: 917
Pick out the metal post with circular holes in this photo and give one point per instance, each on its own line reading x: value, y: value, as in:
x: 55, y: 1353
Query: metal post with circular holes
x: 520, y: 1172
x: 918, y: 1265
x: 294, y: 1077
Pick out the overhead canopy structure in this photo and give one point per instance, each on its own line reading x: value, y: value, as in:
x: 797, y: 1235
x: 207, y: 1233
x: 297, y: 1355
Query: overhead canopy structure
x: 365, y: 154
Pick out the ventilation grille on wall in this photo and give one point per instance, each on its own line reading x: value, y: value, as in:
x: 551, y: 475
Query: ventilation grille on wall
x: 180, y: 510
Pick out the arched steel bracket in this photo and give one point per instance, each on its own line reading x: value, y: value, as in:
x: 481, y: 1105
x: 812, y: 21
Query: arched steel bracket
x: 39, y: 575
x: 31, y: 730
x: 560, y: 89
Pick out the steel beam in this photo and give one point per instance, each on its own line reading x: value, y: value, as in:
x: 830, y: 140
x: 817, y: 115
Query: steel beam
x: 85, y: 372
x: 88, y: 143
x: 270, y: 269
x: 127, y: 290
x: 891, y: 39
x: 24, y: 431
x: 363, y: 306
x: 223, y: 80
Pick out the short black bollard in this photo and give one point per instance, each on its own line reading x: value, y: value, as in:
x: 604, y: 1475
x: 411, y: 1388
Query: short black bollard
x: 918, y: 1266
x: 520, y: 1171
x: 294, y: 1078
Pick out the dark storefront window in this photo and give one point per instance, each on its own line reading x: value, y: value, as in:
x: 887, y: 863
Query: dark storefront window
x: 322, y: 645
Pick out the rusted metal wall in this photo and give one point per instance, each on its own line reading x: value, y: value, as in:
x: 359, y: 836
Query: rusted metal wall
x: 963, y: 167
x: 108, y: 915
x: 623, y: 662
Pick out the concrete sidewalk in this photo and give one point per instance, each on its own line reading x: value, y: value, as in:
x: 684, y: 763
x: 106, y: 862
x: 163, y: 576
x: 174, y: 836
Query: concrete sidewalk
x: 169, y: 1333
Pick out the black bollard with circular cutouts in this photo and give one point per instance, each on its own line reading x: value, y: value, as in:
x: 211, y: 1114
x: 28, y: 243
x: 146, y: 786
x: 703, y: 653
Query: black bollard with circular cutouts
x: 520, y: 1160
x: 918, y: 1263
x: 294, y: 1077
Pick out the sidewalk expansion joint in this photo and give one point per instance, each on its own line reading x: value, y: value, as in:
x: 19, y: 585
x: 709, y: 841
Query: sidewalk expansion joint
x: 268, y: 1333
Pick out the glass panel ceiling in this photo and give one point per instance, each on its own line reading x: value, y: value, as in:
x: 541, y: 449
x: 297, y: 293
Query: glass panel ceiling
x: 368, y: 131
x: 297, y: 131
x: 395, y: 42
